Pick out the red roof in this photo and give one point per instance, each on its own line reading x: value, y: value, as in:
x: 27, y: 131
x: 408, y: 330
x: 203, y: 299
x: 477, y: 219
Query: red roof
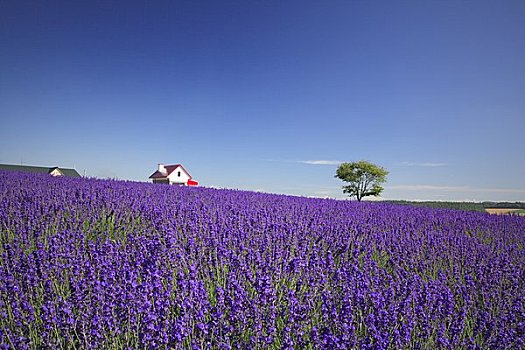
x: 169, y: 169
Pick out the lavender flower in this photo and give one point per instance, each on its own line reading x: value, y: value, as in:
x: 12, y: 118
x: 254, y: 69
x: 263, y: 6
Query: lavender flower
x: 120, y: 265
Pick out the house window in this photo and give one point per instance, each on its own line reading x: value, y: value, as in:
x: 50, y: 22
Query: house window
x: 178, y: 174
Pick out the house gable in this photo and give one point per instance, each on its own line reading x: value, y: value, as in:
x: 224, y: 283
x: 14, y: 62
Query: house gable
x: 55, y: 172
x: 178, y: 175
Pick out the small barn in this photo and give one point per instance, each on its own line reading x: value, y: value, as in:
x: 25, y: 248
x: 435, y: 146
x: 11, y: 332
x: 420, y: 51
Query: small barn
x: 172, y: 174
x: 53, y: 171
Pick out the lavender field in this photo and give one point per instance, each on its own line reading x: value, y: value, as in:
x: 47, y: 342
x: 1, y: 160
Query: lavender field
x: 96, y: 264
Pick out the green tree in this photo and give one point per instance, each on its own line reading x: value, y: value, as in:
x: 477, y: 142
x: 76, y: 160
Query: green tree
x: 364, y: 178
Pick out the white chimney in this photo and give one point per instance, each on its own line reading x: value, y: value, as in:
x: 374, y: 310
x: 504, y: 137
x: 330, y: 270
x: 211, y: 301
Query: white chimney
x: 162, y: 169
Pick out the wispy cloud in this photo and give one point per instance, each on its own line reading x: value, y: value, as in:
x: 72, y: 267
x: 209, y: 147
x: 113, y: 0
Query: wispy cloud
x: 310, y: 162
x: 428, y: 188
x: 320, y: 162
x: 454, y: 189
x: 424, y: 164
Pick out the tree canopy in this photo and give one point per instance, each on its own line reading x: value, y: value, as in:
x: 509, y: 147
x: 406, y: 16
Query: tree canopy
x: 363, y: 178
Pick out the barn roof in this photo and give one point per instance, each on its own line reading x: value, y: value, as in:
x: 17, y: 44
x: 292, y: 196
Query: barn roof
x: 39, y: 169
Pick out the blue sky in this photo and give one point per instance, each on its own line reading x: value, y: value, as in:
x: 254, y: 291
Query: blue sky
x: 271, y: 95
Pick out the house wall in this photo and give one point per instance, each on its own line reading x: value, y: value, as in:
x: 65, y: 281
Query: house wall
x: 56, y: 172
x: 182, y: 179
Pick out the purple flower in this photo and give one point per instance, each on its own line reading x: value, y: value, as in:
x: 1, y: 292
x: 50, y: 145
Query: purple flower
x: 97, y: 263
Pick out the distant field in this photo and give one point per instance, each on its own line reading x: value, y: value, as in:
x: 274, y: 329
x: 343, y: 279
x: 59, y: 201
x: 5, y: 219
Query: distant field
x: 520, y: 212
x: 485, y: 207
x: 499, y: 211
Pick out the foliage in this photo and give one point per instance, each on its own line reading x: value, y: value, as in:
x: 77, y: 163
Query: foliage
x: 466, y: 206
x: 364, y: 178
x: 504, y: 205
x: 98, y: 264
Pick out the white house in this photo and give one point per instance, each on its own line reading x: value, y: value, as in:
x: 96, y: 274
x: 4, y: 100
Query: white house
x: 172, y: 174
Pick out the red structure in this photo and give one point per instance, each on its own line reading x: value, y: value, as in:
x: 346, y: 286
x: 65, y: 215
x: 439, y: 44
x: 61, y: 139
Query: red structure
x: 192, y: 183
